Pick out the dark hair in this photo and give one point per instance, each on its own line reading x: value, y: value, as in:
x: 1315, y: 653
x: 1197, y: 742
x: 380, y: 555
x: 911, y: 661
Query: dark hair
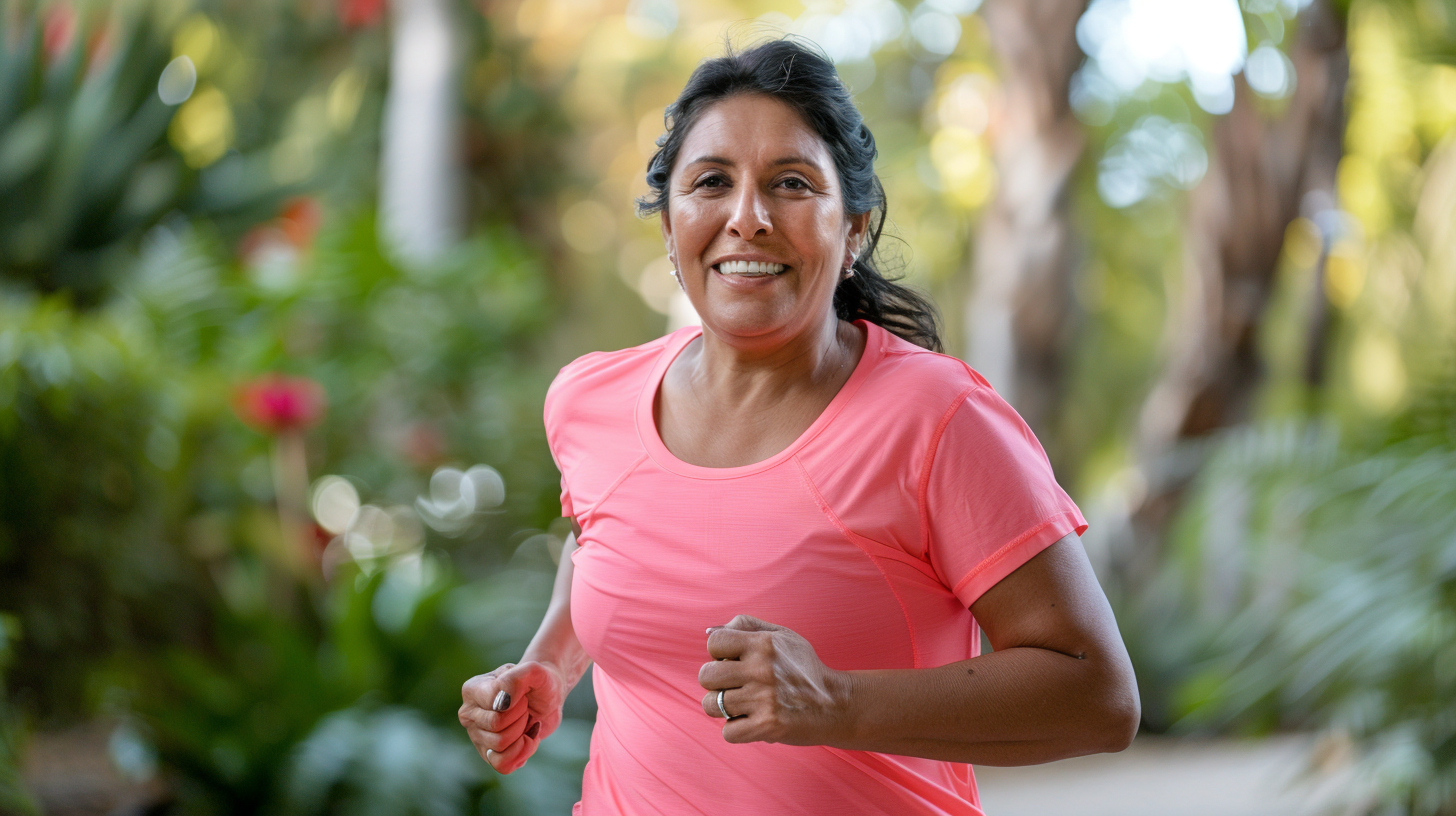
x: 807, y: 82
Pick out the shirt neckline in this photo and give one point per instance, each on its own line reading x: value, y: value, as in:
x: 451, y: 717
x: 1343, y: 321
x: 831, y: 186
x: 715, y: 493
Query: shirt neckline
x: 652, y: 441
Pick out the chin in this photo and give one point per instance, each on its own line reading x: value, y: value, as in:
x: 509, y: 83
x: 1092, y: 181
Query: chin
x: 746, y: 319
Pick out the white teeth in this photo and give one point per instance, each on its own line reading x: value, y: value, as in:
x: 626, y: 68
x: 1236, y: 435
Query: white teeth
x: 750, y: 268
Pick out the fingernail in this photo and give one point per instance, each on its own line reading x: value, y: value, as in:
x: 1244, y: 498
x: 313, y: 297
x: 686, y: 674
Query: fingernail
x: 534, y: 729
x: 502, y: 701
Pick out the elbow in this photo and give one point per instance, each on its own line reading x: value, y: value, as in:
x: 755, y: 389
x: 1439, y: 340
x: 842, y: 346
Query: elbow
x: 1122, y: 716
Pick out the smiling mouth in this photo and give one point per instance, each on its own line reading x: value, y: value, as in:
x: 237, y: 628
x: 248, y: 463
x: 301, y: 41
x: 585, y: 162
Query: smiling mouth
x: 750, y: 269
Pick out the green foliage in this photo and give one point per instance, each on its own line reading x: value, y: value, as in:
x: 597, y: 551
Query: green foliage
x: 383, y: 762
x: 89, y: 554
x: 344, y: 706
x: 1316, y: 587
x: 13, y: 797
x: 84, y: 162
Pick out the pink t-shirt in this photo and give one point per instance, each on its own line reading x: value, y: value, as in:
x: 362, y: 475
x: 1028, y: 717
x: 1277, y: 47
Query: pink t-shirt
x: 915, y: 491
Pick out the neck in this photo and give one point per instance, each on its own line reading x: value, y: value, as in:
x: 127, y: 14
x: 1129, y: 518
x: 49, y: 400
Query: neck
x: 734, y: 371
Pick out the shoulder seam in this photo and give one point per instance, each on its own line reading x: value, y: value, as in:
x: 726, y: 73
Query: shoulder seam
x: 653, y: 346
x: 612, y: 488
x: 931, y: 450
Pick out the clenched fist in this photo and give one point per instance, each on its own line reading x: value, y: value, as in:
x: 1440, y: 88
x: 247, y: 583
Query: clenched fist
x: 775, y: 687
x: 507, y: 712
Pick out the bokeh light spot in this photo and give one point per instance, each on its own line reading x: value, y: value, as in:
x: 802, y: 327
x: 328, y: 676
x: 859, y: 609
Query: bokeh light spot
x: 935, y: 31
x: 1269, y: 72
x: 1344, y: 279
x: 335, y: 503
x: 346, y: 93
x: 588, y: 226
x: 1377, y: 371
x: 196, y: 38
x: 178, y: 80
x: 203, y: 127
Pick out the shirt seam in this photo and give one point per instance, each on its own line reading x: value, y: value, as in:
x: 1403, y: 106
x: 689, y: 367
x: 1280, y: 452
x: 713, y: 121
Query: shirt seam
x: 850, y: 536
x: 922, y: 489
x: 596, y: 505
x: 1007, y: 549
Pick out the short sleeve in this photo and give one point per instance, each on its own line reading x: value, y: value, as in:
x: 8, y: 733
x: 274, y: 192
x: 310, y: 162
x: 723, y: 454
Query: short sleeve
x: 990, y: 502
x: 566, y: 500
x: 547, y: 416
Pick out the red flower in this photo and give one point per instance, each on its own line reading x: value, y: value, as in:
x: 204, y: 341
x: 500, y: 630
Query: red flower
x: 292, y: 230
x: 360, y: 13
x: 58, y: 30
x: 275, y: 403
x: 299, y: 220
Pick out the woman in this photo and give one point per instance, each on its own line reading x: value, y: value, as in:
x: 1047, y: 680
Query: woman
x: 789, y: 524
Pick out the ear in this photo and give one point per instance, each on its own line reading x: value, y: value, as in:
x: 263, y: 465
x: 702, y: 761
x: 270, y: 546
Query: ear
x: 854, y: 240
x: 666, y: 225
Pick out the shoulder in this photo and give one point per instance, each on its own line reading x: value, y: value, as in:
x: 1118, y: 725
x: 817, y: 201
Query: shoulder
x: 609, y: 370
x: 913, y: 381
x: 603, y: 386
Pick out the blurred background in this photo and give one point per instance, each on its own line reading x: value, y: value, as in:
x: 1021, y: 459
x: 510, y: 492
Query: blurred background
x: 283, y: 282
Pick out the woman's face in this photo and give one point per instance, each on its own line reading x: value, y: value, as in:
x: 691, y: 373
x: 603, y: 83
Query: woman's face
x: 754, y: 183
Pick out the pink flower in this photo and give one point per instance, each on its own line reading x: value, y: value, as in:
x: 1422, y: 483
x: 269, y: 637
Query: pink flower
x: 275, y: 403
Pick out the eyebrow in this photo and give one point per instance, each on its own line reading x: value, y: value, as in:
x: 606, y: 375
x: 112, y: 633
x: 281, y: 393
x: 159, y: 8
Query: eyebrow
x: 775, y: 163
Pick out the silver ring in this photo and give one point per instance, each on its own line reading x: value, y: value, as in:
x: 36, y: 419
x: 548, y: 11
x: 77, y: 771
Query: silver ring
x: 721, y: 709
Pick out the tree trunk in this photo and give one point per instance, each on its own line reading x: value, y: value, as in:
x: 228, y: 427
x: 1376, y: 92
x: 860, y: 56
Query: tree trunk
x: 1259, y: 173
x: 1019, y: 315
x: 421, y: 202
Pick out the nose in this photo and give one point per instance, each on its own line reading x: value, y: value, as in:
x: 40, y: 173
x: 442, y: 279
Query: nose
x: 750, y: 216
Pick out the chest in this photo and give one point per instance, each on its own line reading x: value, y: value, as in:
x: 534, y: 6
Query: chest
x: 721, y: 427
x: 665, y: 557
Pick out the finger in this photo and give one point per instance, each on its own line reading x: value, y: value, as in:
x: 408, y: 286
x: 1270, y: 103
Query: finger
x: 513, y: 756
x: 749, y: 623
x: 722, y: 674
x: 744, y: 729
x: 481, y: 689
x: 499, y: 739
x: 734, y: 699
x: 473, y: 716
x: 730, y: 644
x: 511, y: 687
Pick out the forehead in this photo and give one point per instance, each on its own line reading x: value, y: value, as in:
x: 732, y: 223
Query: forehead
x: 753, y: 129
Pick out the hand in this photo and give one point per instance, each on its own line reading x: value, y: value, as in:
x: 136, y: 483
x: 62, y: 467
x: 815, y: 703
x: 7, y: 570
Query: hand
x: 506, y: 728
x: 777, y: 688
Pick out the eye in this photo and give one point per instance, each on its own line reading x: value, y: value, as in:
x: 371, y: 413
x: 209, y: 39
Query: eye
x: 715, y: 180
x: 795, y: 183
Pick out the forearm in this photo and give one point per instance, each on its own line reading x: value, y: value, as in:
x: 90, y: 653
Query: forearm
x: 555, y: 642
x: 1019, y: 706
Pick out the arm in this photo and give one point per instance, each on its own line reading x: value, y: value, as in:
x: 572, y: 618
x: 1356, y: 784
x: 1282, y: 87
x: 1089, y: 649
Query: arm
x: 508, y: 711
x: 555, y: 643
x: 1059, y: 683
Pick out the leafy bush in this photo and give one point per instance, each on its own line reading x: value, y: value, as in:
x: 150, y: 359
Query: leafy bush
x: 346, y: 707
x: 1320, y: 579
x: 140, y: 549
x: 90, y: 519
